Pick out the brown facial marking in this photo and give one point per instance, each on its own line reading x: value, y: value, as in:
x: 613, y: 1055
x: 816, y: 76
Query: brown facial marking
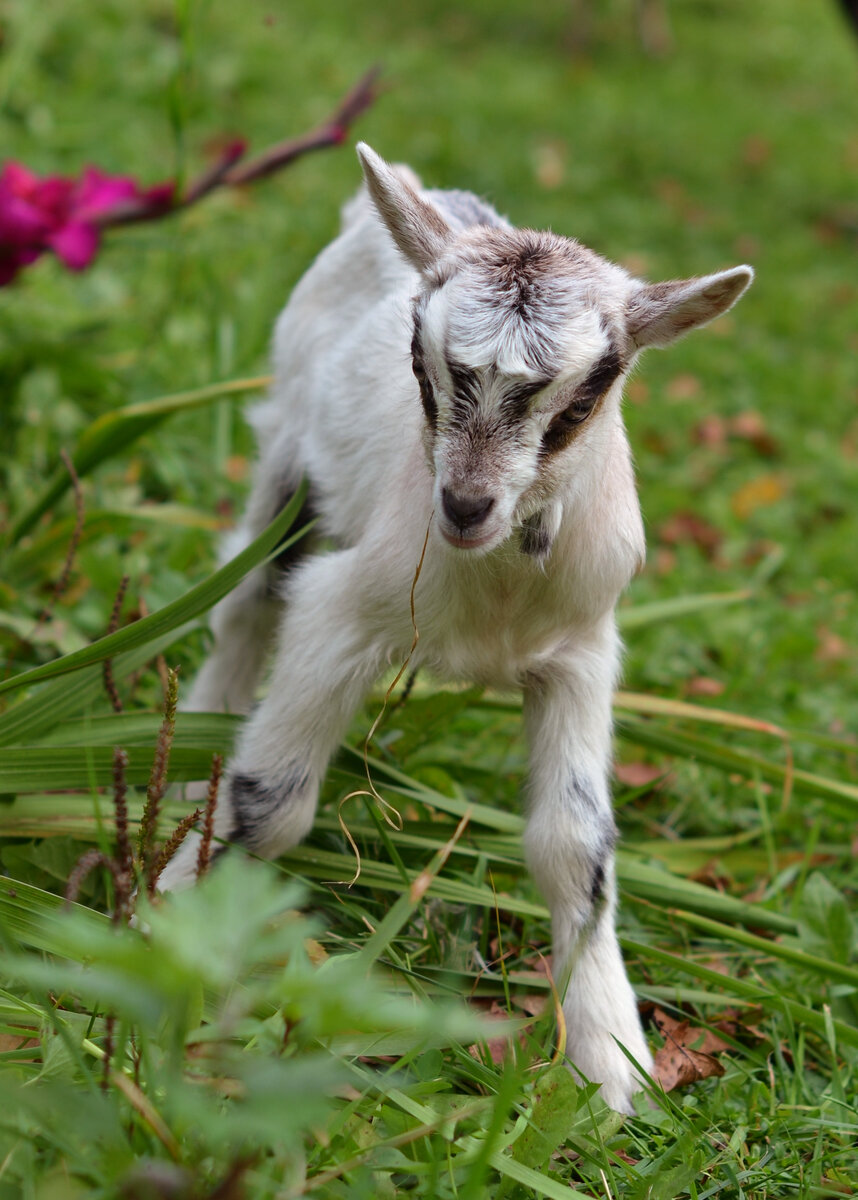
x: 427, y: 394
x: 587, y: 399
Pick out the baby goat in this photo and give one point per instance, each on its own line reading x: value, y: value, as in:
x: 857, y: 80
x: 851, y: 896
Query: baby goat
x: 436, y: 360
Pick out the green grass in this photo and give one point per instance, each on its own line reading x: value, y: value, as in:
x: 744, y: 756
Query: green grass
x: 238, y: 1061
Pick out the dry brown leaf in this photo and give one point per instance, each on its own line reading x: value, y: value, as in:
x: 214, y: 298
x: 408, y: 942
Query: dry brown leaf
x: 750, y: 427
x: 701, y: 685
x: 758, y: 493
x: 685, y: 526
x: 711, y: 431
x: 638, y: 774
x: 683, y: 387
x: 637, y: 391
x: 688, y: 1053
x: 831, y: 647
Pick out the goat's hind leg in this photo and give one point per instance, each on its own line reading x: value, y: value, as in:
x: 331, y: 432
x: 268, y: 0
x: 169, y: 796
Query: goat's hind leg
x: 245, y: 621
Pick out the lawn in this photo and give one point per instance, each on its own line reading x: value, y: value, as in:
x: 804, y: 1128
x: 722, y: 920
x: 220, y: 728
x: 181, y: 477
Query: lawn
x: 228, y: 1049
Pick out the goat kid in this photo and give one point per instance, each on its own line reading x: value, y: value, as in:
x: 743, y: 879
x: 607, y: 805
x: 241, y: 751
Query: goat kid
x: 436, y: 360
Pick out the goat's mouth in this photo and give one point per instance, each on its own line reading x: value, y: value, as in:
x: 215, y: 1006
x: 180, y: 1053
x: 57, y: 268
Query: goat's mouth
x: 463, y: 541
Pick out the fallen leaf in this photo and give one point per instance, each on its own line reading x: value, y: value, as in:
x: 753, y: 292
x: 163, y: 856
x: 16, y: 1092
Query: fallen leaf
x: 638, y: 774
x: 683, y: 387
x: 830, y: 646
x: 637, y: 391
x: 761, y: 492
x: 688, y: 1053
x: 685, y: 527
x: 750, y: 427
x: 711, y: 431
x: 700, y: 685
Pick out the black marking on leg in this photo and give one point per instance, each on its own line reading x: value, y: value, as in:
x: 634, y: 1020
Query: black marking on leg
x: 253, y: 802
x: 581, y: 795
x: 602, y: 862
x: 597, y: 883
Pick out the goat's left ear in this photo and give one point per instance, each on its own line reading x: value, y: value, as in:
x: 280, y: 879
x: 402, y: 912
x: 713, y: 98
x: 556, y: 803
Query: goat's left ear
x: 659, y: 313
x: 417, y: 227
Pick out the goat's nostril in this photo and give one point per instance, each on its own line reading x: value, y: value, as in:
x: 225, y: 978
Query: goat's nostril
x: 465, y: 511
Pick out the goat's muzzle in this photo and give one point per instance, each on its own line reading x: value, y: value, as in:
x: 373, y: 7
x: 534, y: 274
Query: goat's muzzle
x: 464, y: 517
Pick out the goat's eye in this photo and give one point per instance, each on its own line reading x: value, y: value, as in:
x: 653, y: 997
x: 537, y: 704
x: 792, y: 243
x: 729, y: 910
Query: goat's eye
x: 562, y: 426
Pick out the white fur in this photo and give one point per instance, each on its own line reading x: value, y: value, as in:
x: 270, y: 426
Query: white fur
x: 514, y: 308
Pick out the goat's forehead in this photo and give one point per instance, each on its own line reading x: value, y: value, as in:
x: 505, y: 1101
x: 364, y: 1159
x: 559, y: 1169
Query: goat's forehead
x: 542, y: 312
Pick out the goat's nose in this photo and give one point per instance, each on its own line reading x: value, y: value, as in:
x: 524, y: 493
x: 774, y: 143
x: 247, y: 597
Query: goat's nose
x: 465, y: 511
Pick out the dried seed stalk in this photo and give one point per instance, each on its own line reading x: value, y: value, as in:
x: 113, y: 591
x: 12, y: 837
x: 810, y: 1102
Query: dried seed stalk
x: 86, y: 863
x: 205, y: 851
x: 173, y: 843
x: 158, y: 776
x: 113, y: 625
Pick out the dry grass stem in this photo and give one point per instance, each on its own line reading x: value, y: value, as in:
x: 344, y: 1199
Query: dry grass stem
x: 113, y: 625
x: 205, y: 852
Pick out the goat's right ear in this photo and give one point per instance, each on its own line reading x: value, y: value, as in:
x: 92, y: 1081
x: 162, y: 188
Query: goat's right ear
x: 659, y: 313
x: 417, y: 227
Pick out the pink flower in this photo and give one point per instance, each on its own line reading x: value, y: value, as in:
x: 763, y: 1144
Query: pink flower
x: 65, y: 215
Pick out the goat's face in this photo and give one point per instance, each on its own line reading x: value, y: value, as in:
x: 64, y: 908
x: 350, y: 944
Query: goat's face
x: 520, y: 345
x: 519, y: 348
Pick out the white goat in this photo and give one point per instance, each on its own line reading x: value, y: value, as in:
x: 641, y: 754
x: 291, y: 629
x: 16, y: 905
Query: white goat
x: 518, y: 344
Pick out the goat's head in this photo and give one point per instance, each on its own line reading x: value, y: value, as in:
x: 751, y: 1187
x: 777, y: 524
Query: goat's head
x: 521, y: 344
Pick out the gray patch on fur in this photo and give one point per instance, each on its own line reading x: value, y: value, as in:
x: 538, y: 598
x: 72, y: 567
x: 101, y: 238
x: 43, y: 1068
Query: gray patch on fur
x: 464, y: 209
x: 254, y: 802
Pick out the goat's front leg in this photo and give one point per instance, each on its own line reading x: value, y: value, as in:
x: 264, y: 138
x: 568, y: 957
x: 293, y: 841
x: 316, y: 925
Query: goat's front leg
x: 570, y: 851
x: 326, y: 660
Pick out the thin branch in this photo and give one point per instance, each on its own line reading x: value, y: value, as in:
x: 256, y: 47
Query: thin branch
x: 332, y: 133
x: 162, y: 202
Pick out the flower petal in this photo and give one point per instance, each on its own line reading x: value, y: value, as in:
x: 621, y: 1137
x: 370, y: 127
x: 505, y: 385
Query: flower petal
x: 76, y: 243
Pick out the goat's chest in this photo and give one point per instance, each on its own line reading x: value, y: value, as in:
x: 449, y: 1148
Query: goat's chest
x: 492, y: 620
